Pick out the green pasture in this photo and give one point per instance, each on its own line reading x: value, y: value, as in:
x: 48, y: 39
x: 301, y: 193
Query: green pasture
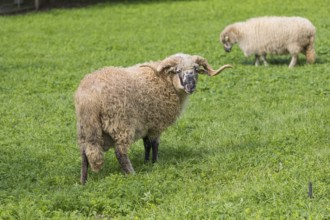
x: 248, y: 145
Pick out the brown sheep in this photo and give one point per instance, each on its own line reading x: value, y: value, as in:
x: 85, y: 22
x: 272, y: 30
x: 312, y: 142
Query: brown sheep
x: 116, y: 106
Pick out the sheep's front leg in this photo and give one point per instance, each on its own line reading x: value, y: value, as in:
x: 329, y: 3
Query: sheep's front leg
x: 124, y: 161
x: 148, y: 145
x: 154, y: 145
x: 293, y: 60
x: 257, y: 60
x: 147, y: 148
x: 84, y: 167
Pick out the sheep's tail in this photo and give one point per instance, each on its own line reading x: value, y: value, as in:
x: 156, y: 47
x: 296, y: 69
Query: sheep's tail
x: 310, y: 51
x: 95, y: 155
x: 90, y: 136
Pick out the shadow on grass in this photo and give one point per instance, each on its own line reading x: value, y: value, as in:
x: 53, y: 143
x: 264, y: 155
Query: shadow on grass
x: 169, y: 154
x: 173, y: 154
x: 283, y: 61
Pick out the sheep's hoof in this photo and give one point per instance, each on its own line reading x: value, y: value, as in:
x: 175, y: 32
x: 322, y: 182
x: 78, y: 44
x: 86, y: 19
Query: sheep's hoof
x: 128, y: 171
x: 127, y: 167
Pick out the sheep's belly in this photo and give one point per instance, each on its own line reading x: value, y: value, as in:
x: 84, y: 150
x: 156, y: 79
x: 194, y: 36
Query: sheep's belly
x: 268, y: 49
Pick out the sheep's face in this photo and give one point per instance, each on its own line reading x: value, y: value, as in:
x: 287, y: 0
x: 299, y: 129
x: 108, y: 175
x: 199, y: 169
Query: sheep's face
x: 182, y: 70
x: 185, y: 78
x: 227, y: 42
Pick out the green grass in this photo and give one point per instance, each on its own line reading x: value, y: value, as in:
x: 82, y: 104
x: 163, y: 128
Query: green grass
x: 247, y: 146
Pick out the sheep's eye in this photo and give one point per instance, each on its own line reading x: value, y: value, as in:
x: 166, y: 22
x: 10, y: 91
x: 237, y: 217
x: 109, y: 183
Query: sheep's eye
x: 178, y: 71
x: 196, y: 68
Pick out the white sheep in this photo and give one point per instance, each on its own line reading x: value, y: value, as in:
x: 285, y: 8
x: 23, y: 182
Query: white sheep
x: 272, y: 35
x: 116, y: 106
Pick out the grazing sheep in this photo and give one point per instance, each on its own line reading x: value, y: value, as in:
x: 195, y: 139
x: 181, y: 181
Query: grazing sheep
x: 272, y: 35
x: 116, y: 106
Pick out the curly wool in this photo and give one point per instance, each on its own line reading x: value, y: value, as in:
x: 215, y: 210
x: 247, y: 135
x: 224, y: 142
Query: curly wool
x: 116, y: 105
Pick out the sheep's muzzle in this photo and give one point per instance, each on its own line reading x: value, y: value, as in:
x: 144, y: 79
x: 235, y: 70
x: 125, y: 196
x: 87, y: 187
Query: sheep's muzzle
x: 190, y: 86
x: 188, y: 81
x: 227, y: 49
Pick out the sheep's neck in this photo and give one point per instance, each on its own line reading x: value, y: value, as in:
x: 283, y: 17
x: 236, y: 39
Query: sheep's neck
x: 183, y: 96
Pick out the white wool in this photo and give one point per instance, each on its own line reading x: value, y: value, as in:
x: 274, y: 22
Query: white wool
x: 272, y: 35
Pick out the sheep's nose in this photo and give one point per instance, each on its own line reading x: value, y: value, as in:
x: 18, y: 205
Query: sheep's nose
x: 189, y: 82
x: 227, y: 49
x: 189, y: 88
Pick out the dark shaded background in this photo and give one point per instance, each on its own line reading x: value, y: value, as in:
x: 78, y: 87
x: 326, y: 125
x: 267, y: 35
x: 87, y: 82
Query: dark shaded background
x: 9, y: 7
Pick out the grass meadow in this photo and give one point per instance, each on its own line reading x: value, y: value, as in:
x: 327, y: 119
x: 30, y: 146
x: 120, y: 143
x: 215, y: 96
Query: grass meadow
x: 248, y: 145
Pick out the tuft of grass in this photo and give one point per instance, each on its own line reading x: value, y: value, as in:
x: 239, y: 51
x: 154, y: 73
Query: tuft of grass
x: 247, y: 146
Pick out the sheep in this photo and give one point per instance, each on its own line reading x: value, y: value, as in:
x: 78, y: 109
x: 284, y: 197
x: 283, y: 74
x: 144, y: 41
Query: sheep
x: 115, y: 106
x: 272, y: 35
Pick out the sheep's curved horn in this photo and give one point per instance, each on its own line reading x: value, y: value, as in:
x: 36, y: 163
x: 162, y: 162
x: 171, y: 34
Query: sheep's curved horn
x: 216, y: 72
x: 164, y: 64
x: 168, y: 62
x: 207, y: 67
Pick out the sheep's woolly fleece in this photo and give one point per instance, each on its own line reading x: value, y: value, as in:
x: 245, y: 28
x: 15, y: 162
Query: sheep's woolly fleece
x: 272, y: 35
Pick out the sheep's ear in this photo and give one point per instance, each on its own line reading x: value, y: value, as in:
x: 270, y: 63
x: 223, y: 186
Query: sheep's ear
x: 172, y: 69
x: 202, y: 71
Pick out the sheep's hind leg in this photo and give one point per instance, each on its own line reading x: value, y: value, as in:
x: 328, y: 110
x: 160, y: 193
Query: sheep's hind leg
x: 293, y: 61
x: 257, y: 61
x: 124, y: 161
x: 84, y: 167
